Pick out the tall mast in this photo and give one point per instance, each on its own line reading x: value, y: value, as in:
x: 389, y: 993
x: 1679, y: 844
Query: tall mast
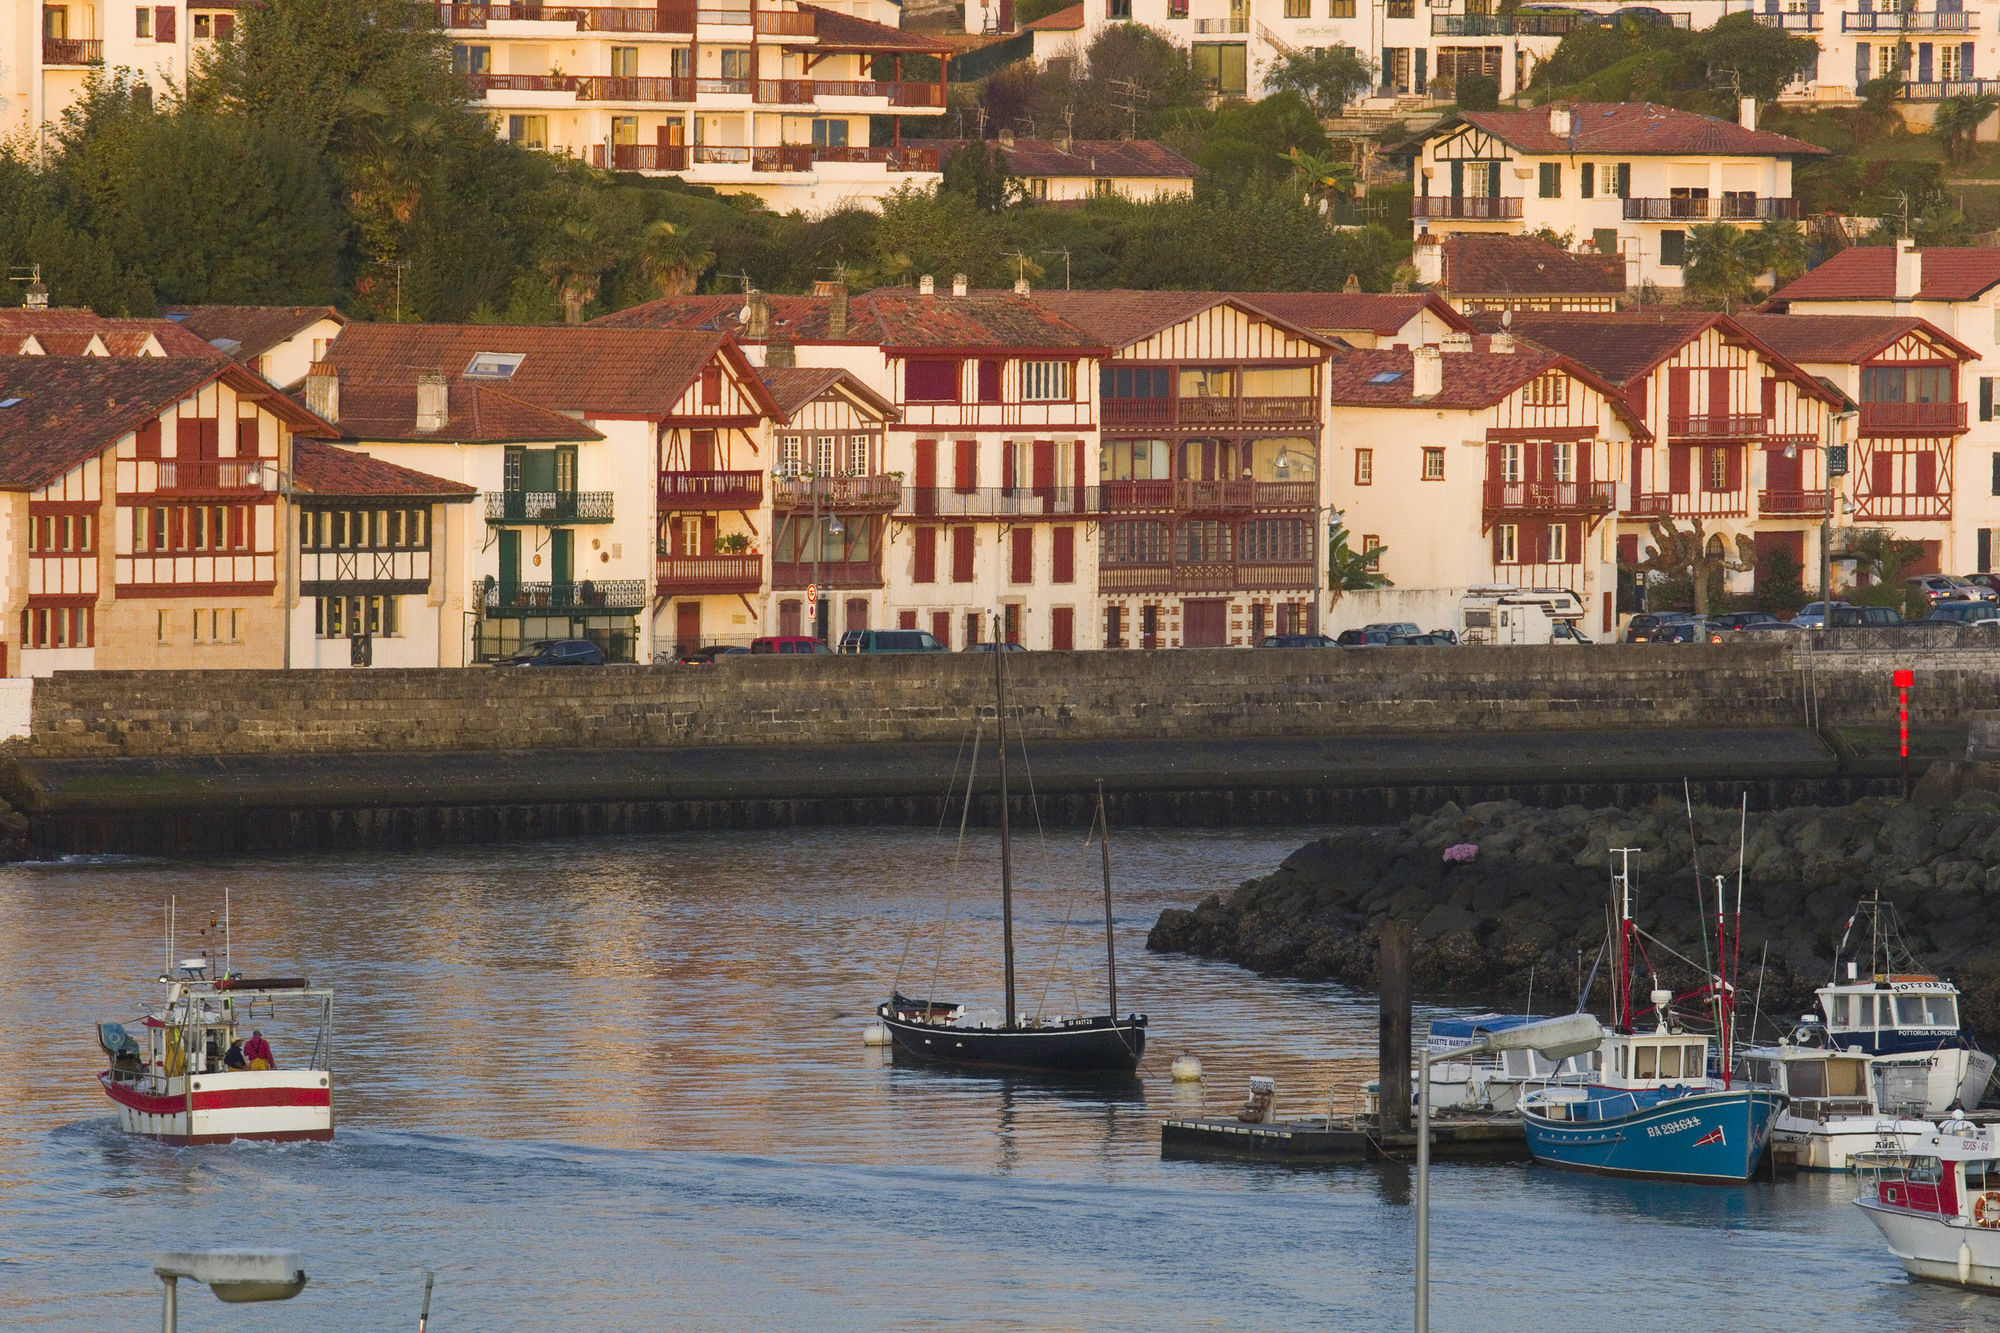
x: 1006, y: 837
x: 1621, y: 999
x: 1110, y: 944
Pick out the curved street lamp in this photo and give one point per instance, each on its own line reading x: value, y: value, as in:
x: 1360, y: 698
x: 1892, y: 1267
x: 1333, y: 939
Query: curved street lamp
x: 233, y: 1275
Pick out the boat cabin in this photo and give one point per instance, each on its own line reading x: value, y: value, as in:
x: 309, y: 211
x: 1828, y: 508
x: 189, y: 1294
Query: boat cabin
x: 1653, y: 1059
x: 1950, y: 1176
x: 1821, y: 1084
x: 1879, y: 1014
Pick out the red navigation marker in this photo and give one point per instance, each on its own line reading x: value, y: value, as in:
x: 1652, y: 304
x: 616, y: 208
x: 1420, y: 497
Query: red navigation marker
x: 1903, y: 679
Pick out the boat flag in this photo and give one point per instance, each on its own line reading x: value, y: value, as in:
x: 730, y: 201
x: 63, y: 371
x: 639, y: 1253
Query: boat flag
x: 1713, y: 1136
x: 1844, y: 932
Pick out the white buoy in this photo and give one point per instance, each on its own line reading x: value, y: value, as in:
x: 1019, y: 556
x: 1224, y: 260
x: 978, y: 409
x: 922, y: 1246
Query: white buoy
x: 1964, y: 1262
x: 875, y: 1034
x: 1186, y: 1069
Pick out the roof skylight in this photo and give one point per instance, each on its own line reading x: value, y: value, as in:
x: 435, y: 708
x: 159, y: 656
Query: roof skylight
x: 1386, y: 377
x: 494, y: 365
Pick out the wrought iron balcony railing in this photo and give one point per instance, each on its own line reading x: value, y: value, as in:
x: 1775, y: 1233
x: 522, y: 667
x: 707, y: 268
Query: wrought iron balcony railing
x: 548, y: 506
x: 582, y: 597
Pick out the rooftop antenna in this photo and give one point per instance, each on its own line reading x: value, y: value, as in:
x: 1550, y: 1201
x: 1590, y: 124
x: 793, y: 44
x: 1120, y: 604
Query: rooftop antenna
x: 1128, y: 95
x: 1020, y: 263
x: 37, y: 295
x: 401, y: 266
x: 1064, y: 252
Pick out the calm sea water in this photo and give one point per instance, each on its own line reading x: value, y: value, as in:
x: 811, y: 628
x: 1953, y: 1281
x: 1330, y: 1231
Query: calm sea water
x: 620, y: 1085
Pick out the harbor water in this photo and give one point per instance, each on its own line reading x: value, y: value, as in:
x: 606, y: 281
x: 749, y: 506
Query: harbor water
x: 620, y: 1084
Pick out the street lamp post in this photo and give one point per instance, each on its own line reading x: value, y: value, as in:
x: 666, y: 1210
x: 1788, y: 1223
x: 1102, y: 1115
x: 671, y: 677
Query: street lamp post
x: 1836, y: 423
x: 1557, y: 1039
x: 819, y: 534
x: 233, y: 1275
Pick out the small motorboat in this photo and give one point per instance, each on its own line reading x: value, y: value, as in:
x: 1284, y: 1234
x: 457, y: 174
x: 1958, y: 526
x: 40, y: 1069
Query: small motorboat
x: 1839, y: 1104
x: 1937, y: 1204
x: 180, y: 1073
x: 1490, y: 1081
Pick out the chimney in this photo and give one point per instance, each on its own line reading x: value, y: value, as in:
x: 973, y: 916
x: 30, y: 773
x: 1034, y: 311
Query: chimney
x: 958, y: 286
x: 780, y: 355
x: 1501, y: 343
x: 836, y: 306
x: 323, y: 391
x: 1455, y: 341
x: 38, y: 295
x: 926, y: 285
x: 1021, y: 287
x: 1006, y: 138
x: 1352, y: 285
x: 1427, y: 373
x: 1746, y: 112
x: 757, y: 319
x: 1560, y: 121
x: 1909, y: 270
x: 1429, y: 258
x: 433, y: 401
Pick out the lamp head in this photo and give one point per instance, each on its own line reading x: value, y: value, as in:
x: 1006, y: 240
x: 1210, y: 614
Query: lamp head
x: 1556, y: 1038
x: 238, y: 1275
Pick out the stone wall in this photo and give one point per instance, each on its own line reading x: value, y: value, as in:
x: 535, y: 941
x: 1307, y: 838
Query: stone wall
x: 1078, y: 697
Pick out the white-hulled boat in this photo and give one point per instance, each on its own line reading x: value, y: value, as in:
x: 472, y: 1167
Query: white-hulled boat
x: 171, y: 1075
x: 1937, y: 1204
x: 1835, y: 1110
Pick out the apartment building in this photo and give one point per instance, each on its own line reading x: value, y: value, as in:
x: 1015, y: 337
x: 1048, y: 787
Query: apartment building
x: 772, y: 98
x: 279, y: 342
x: 1956, y: 290
x: 143, y: 513
x: 1628, y: 178
x: 1478, y: 461
x: 622, y: 473
x: 1496, y: 272
x: 48, y: 51
x: 1735, y: 434
x: 1907, y: 379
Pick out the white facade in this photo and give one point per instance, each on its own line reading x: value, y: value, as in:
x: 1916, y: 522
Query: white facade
x: 48, y: 50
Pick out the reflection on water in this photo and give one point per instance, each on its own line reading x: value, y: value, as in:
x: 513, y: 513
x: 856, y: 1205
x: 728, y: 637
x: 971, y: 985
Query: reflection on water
x: 622, y: 1084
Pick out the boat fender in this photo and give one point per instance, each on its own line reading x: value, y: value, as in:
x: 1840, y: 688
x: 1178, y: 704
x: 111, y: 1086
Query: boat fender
x: 1986, y: 1210
x: 1964, y: 1262
x: 875, y: 1034
x: 1186, y: 1068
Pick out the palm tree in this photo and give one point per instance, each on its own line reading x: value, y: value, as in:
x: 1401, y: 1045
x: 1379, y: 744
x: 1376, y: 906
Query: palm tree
x: 576, y: 264
x: 1781, y: 248
x: 1320, y: 177
x: 1722, y: 264
x: 671, y: 259
x: 1350, y: 571
x: 1959, y: 118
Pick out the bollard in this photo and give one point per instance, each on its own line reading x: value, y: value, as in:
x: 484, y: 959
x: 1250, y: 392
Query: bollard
x: 1393, y: 1059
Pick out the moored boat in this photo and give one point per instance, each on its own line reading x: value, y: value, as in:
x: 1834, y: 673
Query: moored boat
x: 1493, y: 1081
x: 1834, y: 1110
x: 1937, y: 1204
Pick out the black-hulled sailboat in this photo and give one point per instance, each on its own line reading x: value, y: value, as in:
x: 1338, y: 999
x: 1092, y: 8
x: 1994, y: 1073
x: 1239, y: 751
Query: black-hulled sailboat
x: 951, y: 1033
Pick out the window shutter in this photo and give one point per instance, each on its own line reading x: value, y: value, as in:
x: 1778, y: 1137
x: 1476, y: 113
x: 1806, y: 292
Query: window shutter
x: 163, y: 23
x: 961, y: 555
x: 1996, y: 474
x: 1420, y: 56
x: 1923, y: 62
x: 1768, y: 403
x: 1673, y: 248
x: 247, y: 445
x: 1587, y: 180
x: 1860, y: 63
x: 989, y: 381
x: 1883, y: 480
x: 711, y: 386
x: 1680, y: 459
x: 1064, y: 556
x: 1735, y: 470
x: 1986, y: 398
x: 1499, y: 552
x: 148, y: 441
x: 1044, y: 464
x: 1624, y: 180
x: 1965, y: 51
x: 1024, y: 555
x: 926, y: 570
x: 967, y: 469
x: 1927, y: 472
x: 1493, y: 181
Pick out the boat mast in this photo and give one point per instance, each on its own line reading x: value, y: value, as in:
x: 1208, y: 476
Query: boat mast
x: 1110, y: 944
x: 1621, y: 879
x: 1006, y: 837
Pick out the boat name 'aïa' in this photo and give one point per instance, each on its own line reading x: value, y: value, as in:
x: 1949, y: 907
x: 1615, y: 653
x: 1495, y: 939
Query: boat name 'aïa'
x: 1673, y: 1126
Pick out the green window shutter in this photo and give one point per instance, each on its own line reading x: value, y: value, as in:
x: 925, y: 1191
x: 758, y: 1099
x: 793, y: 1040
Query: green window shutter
x: 1673, y: 248
x: 1552, y: 180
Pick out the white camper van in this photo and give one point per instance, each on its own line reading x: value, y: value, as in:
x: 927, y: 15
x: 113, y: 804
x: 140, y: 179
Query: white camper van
x: 1503, y: 613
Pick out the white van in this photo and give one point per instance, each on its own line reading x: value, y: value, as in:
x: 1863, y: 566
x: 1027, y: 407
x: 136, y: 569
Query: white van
x: 1503, y: 613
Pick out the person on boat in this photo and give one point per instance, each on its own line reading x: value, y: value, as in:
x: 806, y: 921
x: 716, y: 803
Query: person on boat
x: 233, y: 1058
x: 258, y: 1051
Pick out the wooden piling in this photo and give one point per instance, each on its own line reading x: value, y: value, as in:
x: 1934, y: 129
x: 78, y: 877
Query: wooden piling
x: 1393, y: 985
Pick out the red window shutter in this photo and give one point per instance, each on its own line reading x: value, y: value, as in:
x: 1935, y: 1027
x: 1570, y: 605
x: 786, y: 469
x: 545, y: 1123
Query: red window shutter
x: 1677, y: 398
x: 1493, y: 472
x: 1927, y: 473
x: 1045, y: 467
x: 1640, y: 483
x: 1024, y: 555
x: 989, y: 381
x: 1628, y: 550
x: 966, y: 472
x: 707, y: 538
x: 941, y: 627
x: 148, y: 439
x: 1573, y: 543
x: 1680, y: 461
x: 1735, y: 472
x: 163, y: 23
x: 1883, y: 474
x: 711, y: 386
x: 961, y: 555
x: 701, y: 451
x: 926, y: 478
x: 1544, y: 462
x: 1078, y: 452
x: 225, y: 27
x: 1718, y: 394
x: 1062, y: 629
x: 930, y: 381
x: 1065, y: 555
x: 1770, y: 402
x: 187, y: 438
x: 906, y: 620
x: 926, y: 571
x: 248, y: 444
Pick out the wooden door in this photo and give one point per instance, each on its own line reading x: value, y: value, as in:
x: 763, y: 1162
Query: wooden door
x: 940, y: 627
x: 701, y: 451
x: 510, y: 565
x: 687, y: 626
x: 562, y: 555
x: 1062, y: 629
x: 1205, y: 622
x: 790, y: 614
x: 857, y: 613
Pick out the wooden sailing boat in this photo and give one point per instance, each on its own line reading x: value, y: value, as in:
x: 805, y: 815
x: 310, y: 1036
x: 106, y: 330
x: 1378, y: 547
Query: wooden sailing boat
x: 948, y: 1032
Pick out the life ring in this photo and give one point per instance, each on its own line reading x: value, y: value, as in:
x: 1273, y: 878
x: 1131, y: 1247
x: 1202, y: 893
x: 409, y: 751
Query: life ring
x: 1986, y: 1210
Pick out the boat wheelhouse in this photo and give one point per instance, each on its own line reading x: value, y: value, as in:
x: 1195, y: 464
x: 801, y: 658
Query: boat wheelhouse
x: 1491, y: 1080
x: 1937, y: 1204
x: 1835, y: 1109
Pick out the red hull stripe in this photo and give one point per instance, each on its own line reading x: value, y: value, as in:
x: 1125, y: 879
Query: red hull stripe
x: 292, y: 1136
x: 223, y: 1100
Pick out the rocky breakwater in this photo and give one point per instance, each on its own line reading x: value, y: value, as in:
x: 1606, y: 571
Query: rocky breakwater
x: 1536, y: 899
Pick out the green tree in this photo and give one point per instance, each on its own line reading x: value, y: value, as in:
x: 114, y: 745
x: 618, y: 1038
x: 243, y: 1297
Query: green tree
x: 978, y: 173
x: 1744, y: 58
x: 1322, y: 179
x: 1694, y: 554
x: 1348, y: 570
x: 1325, y: 78
x: 1879, y: 555
x: 578, y: 256
x: 1723, y: 264
x: 670, y: 259
x: 1246, y: 141
x: 1478, y: 92
x: 1780, y: 247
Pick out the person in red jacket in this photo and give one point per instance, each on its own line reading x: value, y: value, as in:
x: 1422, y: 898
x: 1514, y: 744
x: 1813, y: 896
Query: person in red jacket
x: 258, y: 1051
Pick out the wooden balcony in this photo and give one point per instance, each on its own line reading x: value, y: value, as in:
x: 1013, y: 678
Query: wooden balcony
x: 896, y: 159
x: 72, y: 51
x: 549, y: 506
x: 211, y: 475
x: 584, y: 597
x: 485, y: 85
x: 837, y: 494
x: 996, y: 502
x: 1690, y: 504
x: 1207, y: 576
x: 784, y: 23
x: 606, y: 88
x: 1722, y: 208
x: 1790, y: 504
x: 679, y: 19
x: 833, y: 575
x: 1190, y: 497
x: 1196, y: 412
x: 1466, y: 208
x: 1912, y: 418
x: 1550, y: 497
x: 1503, y: 25
x: 1716, y: 426
x: 1913, y: 20
x: 711, y: 490
x: 697, y: 575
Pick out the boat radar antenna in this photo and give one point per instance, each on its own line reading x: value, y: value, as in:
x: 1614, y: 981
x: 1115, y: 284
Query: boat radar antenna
x: 1621, y: 888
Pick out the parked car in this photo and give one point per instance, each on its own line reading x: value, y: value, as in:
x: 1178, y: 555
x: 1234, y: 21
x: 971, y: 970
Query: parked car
x: 1691, y: 629
x: 1393, y: 627
x: 1009, y: 647
x: 1774, y: 627
x: 1938, y: 588
x: 1437, y: 638
x: 789, y: 644
x: 1813, y: 614
x: 1867, y: 617
x: 1736, y: 620
x: 707, y: 656
x: 1363, y: 638
x: 1650, y: 626
x: 1989, y: 581
x: 1964, y: 613
x: 556, y: 653
x: 1299, y: 641
x: 889, y: 641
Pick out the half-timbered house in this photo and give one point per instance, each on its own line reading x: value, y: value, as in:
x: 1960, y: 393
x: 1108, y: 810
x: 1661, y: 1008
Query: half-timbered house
x: 1480, y: 461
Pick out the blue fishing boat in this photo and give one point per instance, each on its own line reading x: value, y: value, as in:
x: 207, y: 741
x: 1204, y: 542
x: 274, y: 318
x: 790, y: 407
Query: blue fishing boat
x: 1647, y: 1105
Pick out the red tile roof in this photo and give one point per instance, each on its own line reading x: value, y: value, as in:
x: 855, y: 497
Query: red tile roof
x: 71, y: 408
x: 895, y: 318
x: 1121, y: 317
x: 1086, y: 157
x: 329, y: 471
x: 1063, y: 20
x: 1868, y: 273
x: 257, y: 328
x: 1635, y: 128
x: 478, y: 414
x: 1492, y: 265
x: 606, y: 371
x: 1380, y: 313
x: 844, y: 32
x: 1473, y: 379
x: 1845, y: 339
x: 793, y: 387
x: 72, y: 329
x: 793, y: 318
x: 1627, y: 346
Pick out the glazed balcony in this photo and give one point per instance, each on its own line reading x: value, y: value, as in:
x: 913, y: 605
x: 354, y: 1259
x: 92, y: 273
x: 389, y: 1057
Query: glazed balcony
x: 1723, y: 208
x: 1189, y: 497
x: 699, y: 575
x: 1550, y: 497
x: 1912, y: 418
x: 585, y: 597
x: 996, y: 502
x: 1466, y: 208
x: 72, y: 51
x: 831, y: 575
x: 1790, y: 504
x: 1715, y: 426
x: 1207, y: 576
x: 210, y: 475
x: 1208, y: 411
x: 548, y: 506
x: 1896, y: 20
x: 837, y: 494
x: 711, y: 490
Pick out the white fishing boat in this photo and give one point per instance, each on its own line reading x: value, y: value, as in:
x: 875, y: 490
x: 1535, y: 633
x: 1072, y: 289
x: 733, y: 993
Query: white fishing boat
x: 198, y: 1069
x: 1835, y: 1109
x: 1937, y: 1204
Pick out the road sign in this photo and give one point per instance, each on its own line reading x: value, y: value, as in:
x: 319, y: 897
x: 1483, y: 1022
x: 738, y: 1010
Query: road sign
x: 812, y: 600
